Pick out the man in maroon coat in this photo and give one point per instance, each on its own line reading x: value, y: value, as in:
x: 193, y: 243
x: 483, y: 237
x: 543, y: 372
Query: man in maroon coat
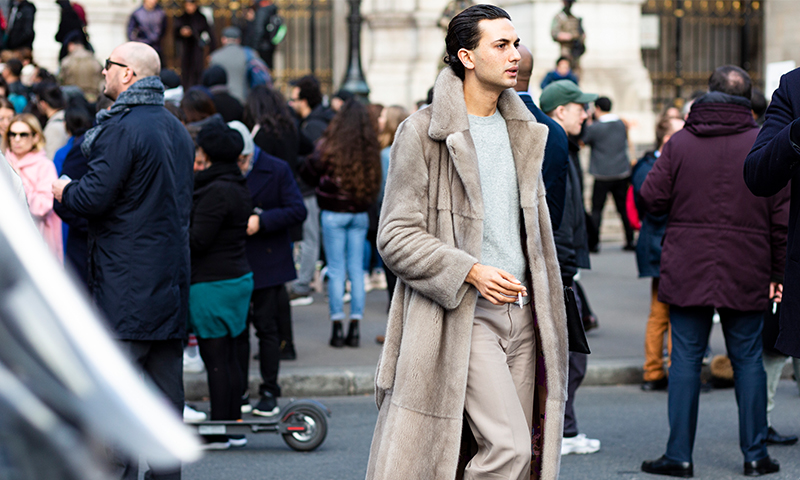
x: 724, y: 249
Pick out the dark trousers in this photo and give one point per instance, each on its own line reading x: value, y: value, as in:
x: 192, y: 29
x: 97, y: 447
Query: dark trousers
x: 224, y: 377
x: 268, y: 308
x: 161, y: 361
x: 691, y: 327
x: 577, y: 370
x: 618, y: 190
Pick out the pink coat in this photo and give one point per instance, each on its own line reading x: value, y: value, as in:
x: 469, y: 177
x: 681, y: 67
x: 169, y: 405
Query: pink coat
x: 38, y: 174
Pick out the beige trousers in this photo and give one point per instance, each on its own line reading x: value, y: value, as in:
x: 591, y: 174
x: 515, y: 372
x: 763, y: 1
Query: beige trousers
x: 500, y: 388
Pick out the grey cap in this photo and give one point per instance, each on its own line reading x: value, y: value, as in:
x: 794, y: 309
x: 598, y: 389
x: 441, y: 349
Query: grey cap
x: 232, y: 32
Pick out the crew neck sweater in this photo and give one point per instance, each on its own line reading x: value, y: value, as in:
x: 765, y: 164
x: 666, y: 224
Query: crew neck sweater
x: 502, y: 233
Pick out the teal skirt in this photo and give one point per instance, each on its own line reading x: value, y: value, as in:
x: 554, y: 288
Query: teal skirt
x: 219, y: 309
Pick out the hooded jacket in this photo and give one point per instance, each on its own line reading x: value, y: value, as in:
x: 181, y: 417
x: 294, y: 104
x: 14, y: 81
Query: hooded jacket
x: 430, y: 235
x: 722, y: 245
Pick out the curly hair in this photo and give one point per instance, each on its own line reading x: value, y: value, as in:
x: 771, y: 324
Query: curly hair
x: 350, y: 147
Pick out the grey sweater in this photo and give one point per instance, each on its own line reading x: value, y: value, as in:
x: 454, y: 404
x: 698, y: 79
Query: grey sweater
x: 502, y: 235
x: 608, y: 138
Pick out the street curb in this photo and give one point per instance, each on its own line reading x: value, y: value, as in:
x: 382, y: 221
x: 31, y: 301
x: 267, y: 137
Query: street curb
x: 348, y: 381
x: 327, y: 382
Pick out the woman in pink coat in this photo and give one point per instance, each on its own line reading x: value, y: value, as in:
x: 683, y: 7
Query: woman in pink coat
x: 24, y: 147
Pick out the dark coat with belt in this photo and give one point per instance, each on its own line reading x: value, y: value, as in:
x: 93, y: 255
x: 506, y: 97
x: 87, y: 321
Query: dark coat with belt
x: 220, y: 210
x: 275, y: 194
x: 722, y: 244
x: 137, y: 196
x: 771, y: 164
x: 648, y: 245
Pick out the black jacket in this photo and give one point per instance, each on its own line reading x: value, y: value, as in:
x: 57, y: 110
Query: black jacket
x: 21, y: 33
x: 571, y: 238
x: 220, y: 211
x: 773, y: 162
x: 137, y: 196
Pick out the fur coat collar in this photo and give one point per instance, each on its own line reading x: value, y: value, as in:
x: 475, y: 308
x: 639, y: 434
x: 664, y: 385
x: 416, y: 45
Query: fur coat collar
x: 430, y: 235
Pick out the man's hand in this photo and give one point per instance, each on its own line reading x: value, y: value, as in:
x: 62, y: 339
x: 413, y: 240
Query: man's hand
x: 253, y: 225
x: 775, y: 292
x: 58, y: 188
x: 186, y: 31
x: 495, y: 285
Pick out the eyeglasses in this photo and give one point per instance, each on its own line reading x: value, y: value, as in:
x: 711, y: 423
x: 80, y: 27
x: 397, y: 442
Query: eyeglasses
x: 19, y: 134
x: 109, y: 63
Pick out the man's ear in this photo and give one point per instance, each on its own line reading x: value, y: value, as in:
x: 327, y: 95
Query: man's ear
x: 560, y: 112
x: 466, y: 58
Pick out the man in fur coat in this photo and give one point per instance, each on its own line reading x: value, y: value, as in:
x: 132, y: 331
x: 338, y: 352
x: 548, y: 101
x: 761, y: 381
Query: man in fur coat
x: 472, y: 379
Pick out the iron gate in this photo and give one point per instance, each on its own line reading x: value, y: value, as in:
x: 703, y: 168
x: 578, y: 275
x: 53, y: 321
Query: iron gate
x: 307, y: 48
x: 697, y: 36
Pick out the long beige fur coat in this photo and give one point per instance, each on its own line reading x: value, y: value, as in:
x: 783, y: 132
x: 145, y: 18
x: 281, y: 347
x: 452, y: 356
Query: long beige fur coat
x: 430, y: 235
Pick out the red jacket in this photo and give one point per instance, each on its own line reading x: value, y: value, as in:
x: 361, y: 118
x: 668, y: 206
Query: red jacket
x: 723, y: 245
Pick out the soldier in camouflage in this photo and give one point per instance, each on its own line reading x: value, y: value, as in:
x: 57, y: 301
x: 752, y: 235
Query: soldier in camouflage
x: 567, y: 30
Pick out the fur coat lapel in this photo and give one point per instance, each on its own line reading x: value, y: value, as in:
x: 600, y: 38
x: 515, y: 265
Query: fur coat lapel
x: 450, y: 123
x: 430, y: 235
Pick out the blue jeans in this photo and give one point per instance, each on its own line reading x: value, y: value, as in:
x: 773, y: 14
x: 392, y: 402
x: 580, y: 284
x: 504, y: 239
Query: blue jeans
x: 691, y: 327
x: 344, y: 235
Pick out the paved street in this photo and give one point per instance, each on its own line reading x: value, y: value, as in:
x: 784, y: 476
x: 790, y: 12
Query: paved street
x: 632, y: 426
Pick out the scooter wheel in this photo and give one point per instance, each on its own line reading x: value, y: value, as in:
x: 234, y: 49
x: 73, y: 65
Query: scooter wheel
x: 316, y: 428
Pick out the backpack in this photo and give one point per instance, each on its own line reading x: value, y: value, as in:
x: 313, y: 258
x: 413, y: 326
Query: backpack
x: 257, y: 70
x: 275, y: 29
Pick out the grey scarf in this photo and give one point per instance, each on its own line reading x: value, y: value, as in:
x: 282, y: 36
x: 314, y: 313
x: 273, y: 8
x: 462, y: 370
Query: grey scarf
x: 147, y: 91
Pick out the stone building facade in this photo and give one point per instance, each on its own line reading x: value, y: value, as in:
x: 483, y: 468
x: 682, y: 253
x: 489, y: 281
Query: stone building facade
x: 402, y: 45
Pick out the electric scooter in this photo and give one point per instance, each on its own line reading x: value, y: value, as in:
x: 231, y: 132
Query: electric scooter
x: 302, y: 423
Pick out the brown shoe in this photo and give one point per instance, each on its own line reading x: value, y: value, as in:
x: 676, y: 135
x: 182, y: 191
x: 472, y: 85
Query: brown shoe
x: 380, y: 339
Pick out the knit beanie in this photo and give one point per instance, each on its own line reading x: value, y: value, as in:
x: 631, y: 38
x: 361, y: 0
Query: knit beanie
x: 220, y: 142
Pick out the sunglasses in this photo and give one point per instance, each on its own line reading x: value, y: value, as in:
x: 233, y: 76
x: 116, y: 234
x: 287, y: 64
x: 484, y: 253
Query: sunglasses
x: 109, y: 63
x: 19, y: 134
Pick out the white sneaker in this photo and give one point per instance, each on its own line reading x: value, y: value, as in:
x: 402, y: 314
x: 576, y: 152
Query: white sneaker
x: 190, y: 415
x: 367, y: 283
x: 579, y: 444
x: 215, y: 445
x: 237, y: 440
x: 193, y: 363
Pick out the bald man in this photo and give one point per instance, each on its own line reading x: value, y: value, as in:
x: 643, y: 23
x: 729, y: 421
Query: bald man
x: 556, y: 154
x: 137, y: 196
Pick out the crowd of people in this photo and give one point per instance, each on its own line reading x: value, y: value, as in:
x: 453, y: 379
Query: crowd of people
x: 207, y: 202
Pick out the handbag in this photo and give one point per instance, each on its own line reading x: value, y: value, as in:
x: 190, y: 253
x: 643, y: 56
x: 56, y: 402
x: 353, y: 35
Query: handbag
x: 575, y: 333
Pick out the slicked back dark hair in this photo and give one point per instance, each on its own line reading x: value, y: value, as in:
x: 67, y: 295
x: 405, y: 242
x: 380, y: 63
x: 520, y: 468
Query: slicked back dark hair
x: 732, y: 80
x: 464, y: 32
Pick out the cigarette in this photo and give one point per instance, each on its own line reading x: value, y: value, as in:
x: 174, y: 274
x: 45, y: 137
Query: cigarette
x: 519, y: 299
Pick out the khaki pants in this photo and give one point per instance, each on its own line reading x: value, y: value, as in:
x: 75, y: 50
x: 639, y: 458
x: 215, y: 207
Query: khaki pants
x: 657, y: 325
x: 500, y: 387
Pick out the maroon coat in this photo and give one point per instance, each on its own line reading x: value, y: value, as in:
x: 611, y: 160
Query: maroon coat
x: 723, y: 245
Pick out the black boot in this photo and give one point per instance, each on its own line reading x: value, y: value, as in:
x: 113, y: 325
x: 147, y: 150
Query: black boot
x: 337, y: 335
x: 352, y: 334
